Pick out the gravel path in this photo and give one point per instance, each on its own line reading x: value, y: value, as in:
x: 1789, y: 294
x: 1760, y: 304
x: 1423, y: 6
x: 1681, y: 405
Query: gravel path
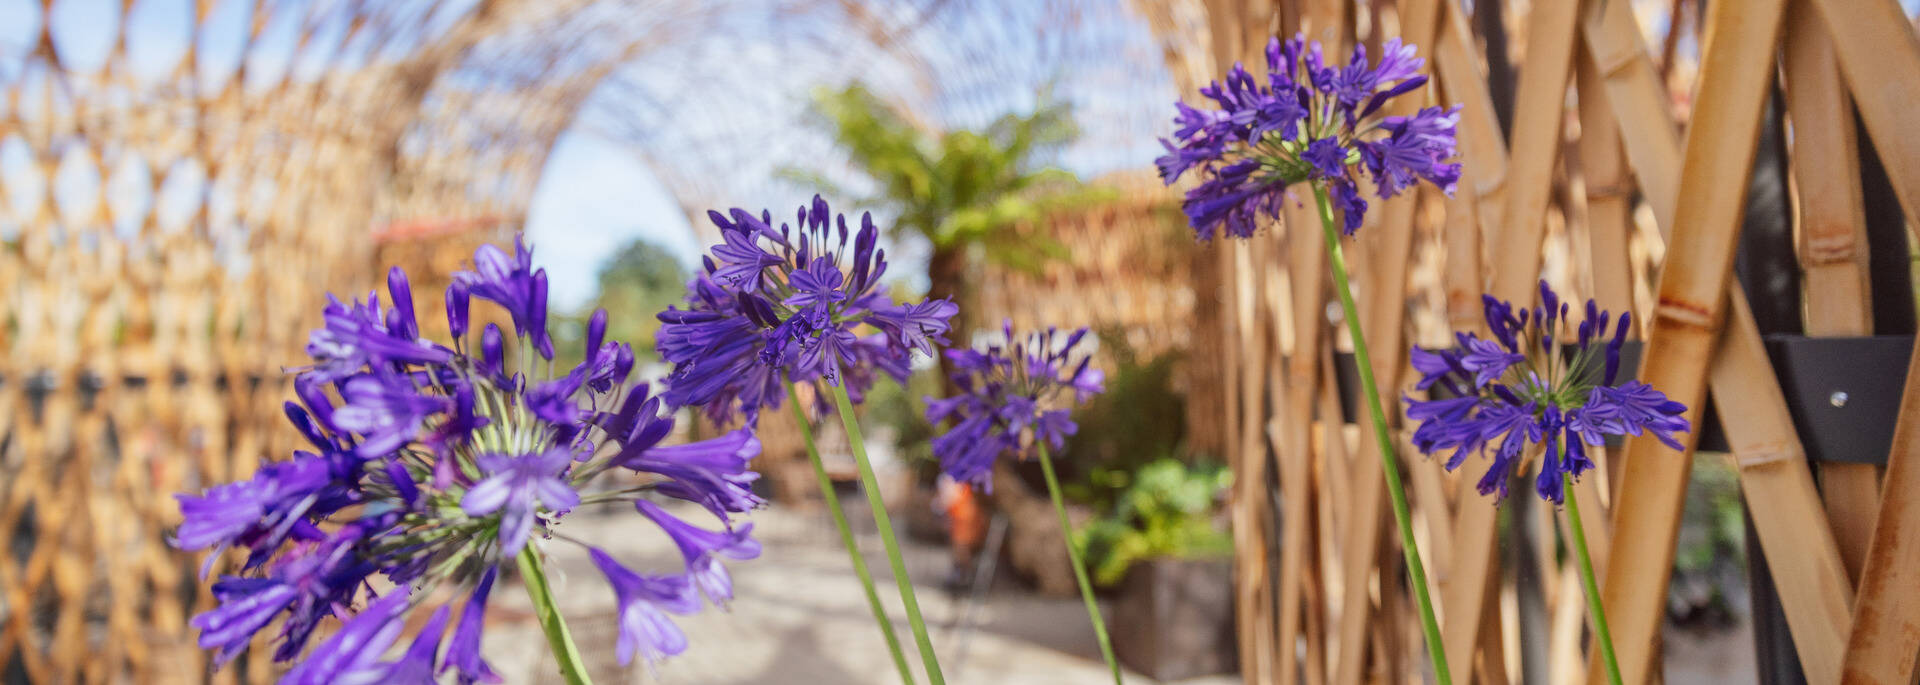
x: 798, y: 616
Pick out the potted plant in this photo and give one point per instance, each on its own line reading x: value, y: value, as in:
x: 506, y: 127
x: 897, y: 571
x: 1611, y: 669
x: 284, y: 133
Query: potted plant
x: 1171, y: 561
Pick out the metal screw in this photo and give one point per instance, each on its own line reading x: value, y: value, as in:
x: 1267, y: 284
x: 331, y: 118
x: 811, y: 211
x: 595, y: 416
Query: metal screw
x: 1838, y: 398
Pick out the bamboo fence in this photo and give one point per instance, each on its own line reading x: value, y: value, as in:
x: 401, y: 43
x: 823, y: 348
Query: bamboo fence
x: 1594, y: 187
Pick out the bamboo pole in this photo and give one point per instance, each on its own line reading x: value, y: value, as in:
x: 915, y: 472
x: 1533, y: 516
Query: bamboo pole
x: 1609, y: 190
x: 1880, y: 56
x: 1884, y: 642
x: 1458, y: 65
x: 1249, y: 504
x: 1336, y: 470
x: 1801, y: 550
x: 1536, y: 140
x: 1735, y: 72
x: 1639, y: 101
x: 1308, y: 288
x: 1833, y: 231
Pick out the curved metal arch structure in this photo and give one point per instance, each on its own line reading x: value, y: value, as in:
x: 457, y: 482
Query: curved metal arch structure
x: 718, y: 120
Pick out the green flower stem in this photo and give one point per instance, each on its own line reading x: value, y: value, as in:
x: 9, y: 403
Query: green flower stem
x: 1079, y: 569
x: 572, y: 667
x: 1389, y: 463
x: 846, y: 538
x: 1601, y: 633
x: 880, y: 520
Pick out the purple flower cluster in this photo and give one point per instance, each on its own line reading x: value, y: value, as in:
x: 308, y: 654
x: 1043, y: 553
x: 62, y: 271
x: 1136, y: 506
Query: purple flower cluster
x: 1518, y: 389
x: 433, y: 466
x: 1308, y: 121
x: 782, y: 306
x: 1010, y: 398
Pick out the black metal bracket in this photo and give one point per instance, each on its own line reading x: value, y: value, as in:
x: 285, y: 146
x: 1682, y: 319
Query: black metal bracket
x: 1843, y: 394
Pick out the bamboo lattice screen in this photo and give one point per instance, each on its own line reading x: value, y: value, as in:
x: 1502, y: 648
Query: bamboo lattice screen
x: 1592, y: 188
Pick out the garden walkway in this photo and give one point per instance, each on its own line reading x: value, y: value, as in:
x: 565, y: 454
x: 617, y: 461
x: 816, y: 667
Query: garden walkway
x: 798, y: 616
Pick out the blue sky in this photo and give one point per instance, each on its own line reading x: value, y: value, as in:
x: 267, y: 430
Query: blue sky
x: 594, y: 197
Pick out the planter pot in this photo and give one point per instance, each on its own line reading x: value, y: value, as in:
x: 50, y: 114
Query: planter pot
x: 1173, y: 618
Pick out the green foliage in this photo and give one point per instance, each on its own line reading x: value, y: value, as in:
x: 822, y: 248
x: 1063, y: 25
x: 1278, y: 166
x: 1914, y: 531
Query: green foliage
x: 1712, y: 526
x: 1710, y: 557
x: 959, y: 188
x: 1139, y: 418
x: 1167, y: 511
x: 635, y: 284
x: 899, y: 408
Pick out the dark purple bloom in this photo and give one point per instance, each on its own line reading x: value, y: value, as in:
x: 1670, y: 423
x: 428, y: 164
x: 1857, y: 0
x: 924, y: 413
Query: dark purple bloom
x: 416, y: 666
x: 246, y: 606
x: 1416, y: 148
x: 353, y: 654
x: 518, y: 487
x: 1329, y: 160
x: 463, y: 650
x: 916, y: 326
x: 1518, y: 389
x: 1008, y: 401
x: 644, y: 601
x: 1353, y: 208
x: 305, y: 583
x: 1305, y: 122
x: 1634, y: 407
x: 457, y: 308
x: 712, y: 473
x: 516, y: 286
x: 781, y: 306
x: 493, y: 354
x: 439, y: 465
x: 739, y: 260
x: 264, y: 511
x: 703, y: 548
x: 357, y: 335
x: 386, y: 410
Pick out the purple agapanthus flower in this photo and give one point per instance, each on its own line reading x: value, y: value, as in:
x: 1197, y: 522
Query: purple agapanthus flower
x: 434, y: 465
x: 352, y: 656
x: 703, y: 549
x: 1516, y: 390
x: 1011, y: 396
x: 1306, y: 121
x: 518, y: 488
x: 643, y: 599
x: 777, y: 306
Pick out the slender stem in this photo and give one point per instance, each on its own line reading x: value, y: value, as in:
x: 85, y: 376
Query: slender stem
x: 572, y: 667
x: 1079, y: 568
x: 846, y: 538
x: 880, y: 520
x: 1601, y: 633
x: 1389, y: 463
